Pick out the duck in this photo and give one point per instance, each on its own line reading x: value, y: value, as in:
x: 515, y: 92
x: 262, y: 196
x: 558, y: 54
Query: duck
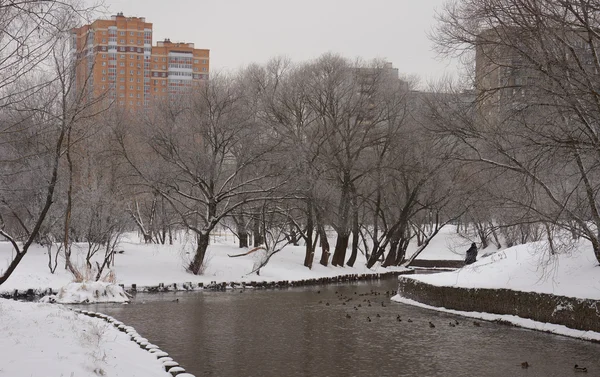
x: 477, y: 324
x: 176, y: 300
x: 431, y: 325
x: 368, y: 319
x: 343, y: 303
x: 577, y: 368
x: 378, y: 316
x: 524, y: 365
x: 382, y: 304
x: 409, y: 320
x: 348, y: 315
x: 326, y: 304
x: 451, y: 324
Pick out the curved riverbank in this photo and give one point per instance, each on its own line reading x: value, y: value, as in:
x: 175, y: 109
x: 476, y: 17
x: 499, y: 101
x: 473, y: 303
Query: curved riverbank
x: 569, y: 316
x: 52, y: 340
x: 31, y: 293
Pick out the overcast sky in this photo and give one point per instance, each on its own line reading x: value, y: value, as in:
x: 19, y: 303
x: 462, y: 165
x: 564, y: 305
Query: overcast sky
x: 239, y: 32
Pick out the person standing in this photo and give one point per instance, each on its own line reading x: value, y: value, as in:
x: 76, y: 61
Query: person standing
x: 471, y: 254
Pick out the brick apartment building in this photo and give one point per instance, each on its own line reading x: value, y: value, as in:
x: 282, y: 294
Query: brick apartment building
x: 116, y: 60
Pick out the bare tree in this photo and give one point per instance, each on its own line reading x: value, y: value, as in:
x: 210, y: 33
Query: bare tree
x: 200, y: 155
x: 33, y: 37
x: 537, y: 112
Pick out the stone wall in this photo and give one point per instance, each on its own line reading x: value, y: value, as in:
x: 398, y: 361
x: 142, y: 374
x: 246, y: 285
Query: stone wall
x: 572, y: 312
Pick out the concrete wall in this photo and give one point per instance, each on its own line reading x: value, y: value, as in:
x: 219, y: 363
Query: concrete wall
x: 574, y: 313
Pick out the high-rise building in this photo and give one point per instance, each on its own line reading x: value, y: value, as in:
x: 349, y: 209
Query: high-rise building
x: 116, y: 60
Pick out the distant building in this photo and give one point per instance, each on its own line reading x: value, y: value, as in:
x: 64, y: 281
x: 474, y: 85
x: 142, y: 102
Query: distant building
x: 515, y: 68
x: 117, y: 61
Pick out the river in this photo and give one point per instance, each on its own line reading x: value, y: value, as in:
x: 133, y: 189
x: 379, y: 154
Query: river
x: 293, y: 332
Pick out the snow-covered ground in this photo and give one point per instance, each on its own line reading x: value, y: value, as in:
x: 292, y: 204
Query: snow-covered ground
x: 150, y: 264
x: 50, y: 340
x: 572, y: 272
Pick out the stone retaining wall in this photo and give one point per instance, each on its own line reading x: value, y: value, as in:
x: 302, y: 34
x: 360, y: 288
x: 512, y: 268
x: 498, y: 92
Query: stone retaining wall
x: 580, y: 314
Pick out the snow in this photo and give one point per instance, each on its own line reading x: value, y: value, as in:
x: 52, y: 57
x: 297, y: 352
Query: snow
x: 446, y: 245
x: 517, y: 321
x: 151, y: 264
x: 573, y: 272
x: 88, y: 292
x: 50, y: 340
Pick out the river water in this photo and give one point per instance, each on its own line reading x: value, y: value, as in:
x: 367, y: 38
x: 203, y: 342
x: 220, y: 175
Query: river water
x: 294, y: 332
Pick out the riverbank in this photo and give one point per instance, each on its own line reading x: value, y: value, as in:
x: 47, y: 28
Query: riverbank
x: 523, y: 285
x: 147, y: 267
x: 51, y: 340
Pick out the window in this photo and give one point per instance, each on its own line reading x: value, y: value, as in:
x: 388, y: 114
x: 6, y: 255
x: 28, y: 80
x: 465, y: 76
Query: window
x: 122, y: 56
x: 122, y: 33
x: 131, y: 79
x: 103, y: 40
x: 131, y: 64
x: 196, y: 61
x: 103, y: 56
x: 122, y: 64
x: 131, y: 33
x: 104, y: 71
x: 122, y: 71
x: 122, y: 41
x: 131, y: 72
x: 204, y: 61
x: 103, y: 78
x: 103, y: 63
x: 204, y: 69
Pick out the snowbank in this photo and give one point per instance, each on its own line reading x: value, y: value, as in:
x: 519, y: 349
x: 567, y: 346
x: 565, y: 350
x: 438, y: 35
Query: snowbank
x: 49, y: 340
x: 88, y: 292
x: 574, y: 272
x: 151, y: 264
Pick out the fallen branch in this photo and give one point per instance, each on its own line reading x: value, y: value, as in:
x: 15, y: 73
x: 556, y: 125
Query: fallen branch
x: 249, y: 252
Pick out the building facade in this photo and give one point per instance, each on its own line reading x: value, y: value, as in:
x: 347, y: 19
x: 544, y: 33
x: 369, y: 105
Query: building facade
x: 116, y: 61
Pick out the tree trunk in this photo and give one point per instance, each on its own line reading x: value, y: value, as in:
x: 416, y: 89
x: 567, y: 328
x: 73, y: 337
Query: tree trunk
x: 324, y: 246
x: 310, y: 248
x: 195, y: 267
x: 391, y: 257
x: 355, y: 239
x: 258, y: 237
x: 339, y: 253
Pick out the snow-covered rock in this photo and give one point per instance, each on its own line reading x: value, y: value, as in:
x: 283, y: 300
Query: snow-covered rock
x: 88, y: 292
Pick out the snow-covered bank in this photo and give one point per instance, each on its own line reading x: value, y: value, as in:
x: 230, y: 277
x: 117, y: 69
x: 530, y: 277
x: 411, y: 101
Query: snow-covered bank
x: 88, y: 292
x: 49, y: 340
x: 514, y: 320
x: 529, y: 268
x: 151, y: 265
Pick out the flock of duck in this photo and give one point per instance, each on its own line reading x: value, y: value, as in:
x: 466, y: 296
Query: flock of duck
x: 345, y: 299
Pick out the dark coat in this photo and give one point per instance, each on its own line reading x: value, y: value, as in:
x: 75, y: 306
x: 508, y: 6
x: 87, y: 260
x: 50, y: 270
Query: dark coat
x: 471, y: 254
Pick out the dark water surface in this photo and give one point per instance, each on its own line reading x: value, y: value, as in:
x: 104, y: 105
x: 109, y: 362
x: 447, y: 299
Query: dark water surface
x: 289, y: 333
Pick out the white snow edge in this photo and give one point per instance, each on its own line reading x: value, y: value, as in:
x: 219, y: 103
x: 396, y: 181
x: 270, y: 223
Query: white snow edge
x: 512, y: 319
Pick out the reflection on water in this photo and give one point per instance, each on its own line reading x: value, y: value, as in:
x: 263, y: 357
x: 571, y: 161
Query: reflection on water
x: 294, y: 333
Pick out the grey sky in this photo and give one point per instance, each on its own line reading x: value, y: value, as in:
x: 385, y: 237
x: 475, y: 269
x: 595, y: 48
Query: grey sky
x: 239, y: 32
